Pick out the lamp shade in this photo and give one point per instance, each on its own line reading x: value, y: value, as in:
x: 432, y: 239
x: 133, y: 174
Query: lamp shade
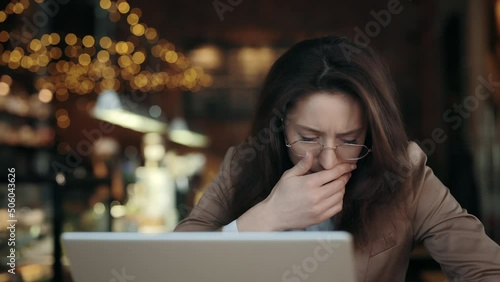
x: 181, y: 134
x: 122, y: 111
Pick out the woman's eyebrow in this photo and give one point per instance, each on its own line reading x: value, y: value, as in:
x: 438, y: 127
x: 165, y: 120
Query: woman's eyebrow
x: 305, y: 127
x: 343, y: 134
x: 350, y: 132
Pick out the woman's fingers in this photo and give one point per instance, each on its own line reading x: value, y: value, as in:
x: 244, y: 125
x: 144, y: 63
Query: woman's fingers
x: 325, y: 176
x: 331, y: 198
x: 333, y: 187
x: 302, y: 167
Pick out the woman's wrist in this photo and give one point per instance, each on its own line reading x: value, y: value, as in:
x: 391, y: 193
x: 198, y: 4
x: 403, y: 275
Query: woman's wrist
x: 258, y: 218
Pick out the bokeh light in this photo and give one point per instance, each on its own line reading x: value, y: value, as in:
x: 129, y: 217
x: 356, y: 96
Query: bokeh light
x: 45, y: 95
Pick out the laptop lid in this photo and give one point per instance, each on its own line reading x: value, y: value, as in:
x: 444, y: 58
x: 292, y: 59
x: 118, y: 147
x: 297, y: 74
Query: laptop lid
x: 211, y: 256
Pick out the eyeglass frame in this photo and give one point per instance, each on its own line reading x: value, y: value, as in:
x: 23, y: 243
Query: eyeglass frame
x: 323, y: 147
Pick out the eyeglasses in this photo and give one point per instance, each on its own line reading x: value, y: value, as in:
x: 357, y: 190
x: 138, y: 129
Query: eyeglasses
x: 346, y: 151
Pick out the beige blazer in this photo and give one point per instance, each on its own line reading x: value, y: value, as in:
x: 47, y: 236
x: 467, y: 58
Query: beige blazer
x: 453, y: 237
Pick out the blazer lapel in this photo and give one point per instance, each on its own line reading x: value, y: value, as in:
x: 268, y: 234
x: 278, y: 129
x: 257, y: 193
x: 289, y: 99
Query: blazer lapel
x: 362, y: 260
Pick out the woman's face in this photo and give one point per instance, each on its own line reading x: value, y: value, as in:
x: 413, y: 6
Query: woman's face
x: 330, y: 119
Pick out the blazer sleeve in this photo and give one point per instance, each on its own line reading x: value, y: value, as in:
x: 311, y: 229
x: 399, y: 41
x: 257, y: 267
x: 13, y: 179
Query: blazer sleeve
x: 454, y: 238
x: 213, y: 209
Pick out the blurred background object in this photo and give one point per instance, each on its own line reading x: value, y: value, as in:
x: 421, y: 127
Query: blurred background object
x: 117, y: 114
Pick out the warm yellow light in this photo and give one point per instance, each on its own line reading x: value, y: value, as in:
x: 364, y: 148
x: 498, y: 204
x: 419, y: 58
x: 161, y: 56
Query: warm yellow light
x: 62, y: 94
x: 62, y: 117
x: 108, y: 73
x: 206, y: 80
x: 138, y: 29
x: 54, y: 38
x: 35, y: 45
x: 43, y: 60
x: 4, y: 89
x: 121, y: 47
x: 52, y: 69
x: 45, y: 95
x: 55, y: 53
x: 74, y: 50
x: 15, y: 55
x: 151, y: 33
x: 124, y: 61
x: 88, y: 41
x: 183, y: 62
x: 141, y: 80
x: 84, y: 59
x: 130, y: 47
x: 87, y: 85
x: 4, y: 36
x: 63, y: 121
x: 497, y: 15
x: 132, y: 19
x: 107, y: 83
x: 103, y: 56
x: 9, y: 8
x: 39, y: 82
x: 71, y: 83
x: 105, y: 4
x: 62, y: 66
x: 26, y: 4
x: 113, y: 8
x: 156, y: 50
x: 112, y: 48
x: 3, y: 16
x: 70, y: 51
x: 14, y: 65
x: 126, y: 74
x: 139, y: 57
x: 48, y: 85
x: 135, y: 69
x: 7, y: 79
x: 6, y: 56
x: 45, y: 40
x: 70, y: 39
x: 123, y: 7
x: 105, y: 42
x: 171, y: 57
x: 136, y: 11
x: 18, y: 8
x: 61, y: 112
x: 190, y: 75
x: 26, y: 62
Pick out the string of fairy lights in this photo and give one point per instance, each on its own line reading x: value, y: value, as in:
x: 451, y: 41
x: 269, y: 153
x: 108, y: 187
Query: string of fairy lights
x: 66, y: 63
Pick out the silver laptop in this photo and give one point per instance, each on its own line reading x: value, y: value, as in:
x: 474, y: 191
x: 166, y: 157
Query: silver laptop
x: 211, y: 257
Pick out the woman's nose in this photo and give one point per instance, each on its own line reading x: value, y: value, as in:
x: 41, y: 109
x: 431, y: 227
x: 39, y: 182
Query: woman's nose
x: 328, y: 158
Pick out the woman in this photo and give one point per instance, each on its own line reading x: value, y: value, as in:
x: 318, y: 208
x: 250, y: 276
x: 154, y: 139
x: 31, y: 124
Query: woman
x: 328, y: 151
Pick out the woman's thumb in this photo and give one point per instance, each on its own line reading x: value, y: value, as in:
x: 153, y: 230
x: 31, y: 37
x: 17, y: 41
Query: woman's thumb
x: 304, y: 165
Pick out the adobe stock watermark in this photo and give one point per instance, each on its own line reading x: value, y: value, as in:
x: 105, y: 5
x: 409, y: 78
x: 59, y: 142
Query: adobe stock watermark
x: 460, y: 112
x: 223, y: 6
x: 121, y: 276
x: 310, y: 264
x: 455, y: 117
x: 363, y: 37
x: 39, y: 20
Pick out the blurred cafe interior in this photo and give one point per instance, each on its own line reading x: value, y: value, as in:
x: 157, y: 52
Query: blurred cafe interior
x: 117, y: 114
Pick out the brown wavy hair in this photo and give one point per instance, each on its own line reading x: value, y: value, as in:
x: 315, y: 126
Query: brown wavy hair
x: 327, y: 64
